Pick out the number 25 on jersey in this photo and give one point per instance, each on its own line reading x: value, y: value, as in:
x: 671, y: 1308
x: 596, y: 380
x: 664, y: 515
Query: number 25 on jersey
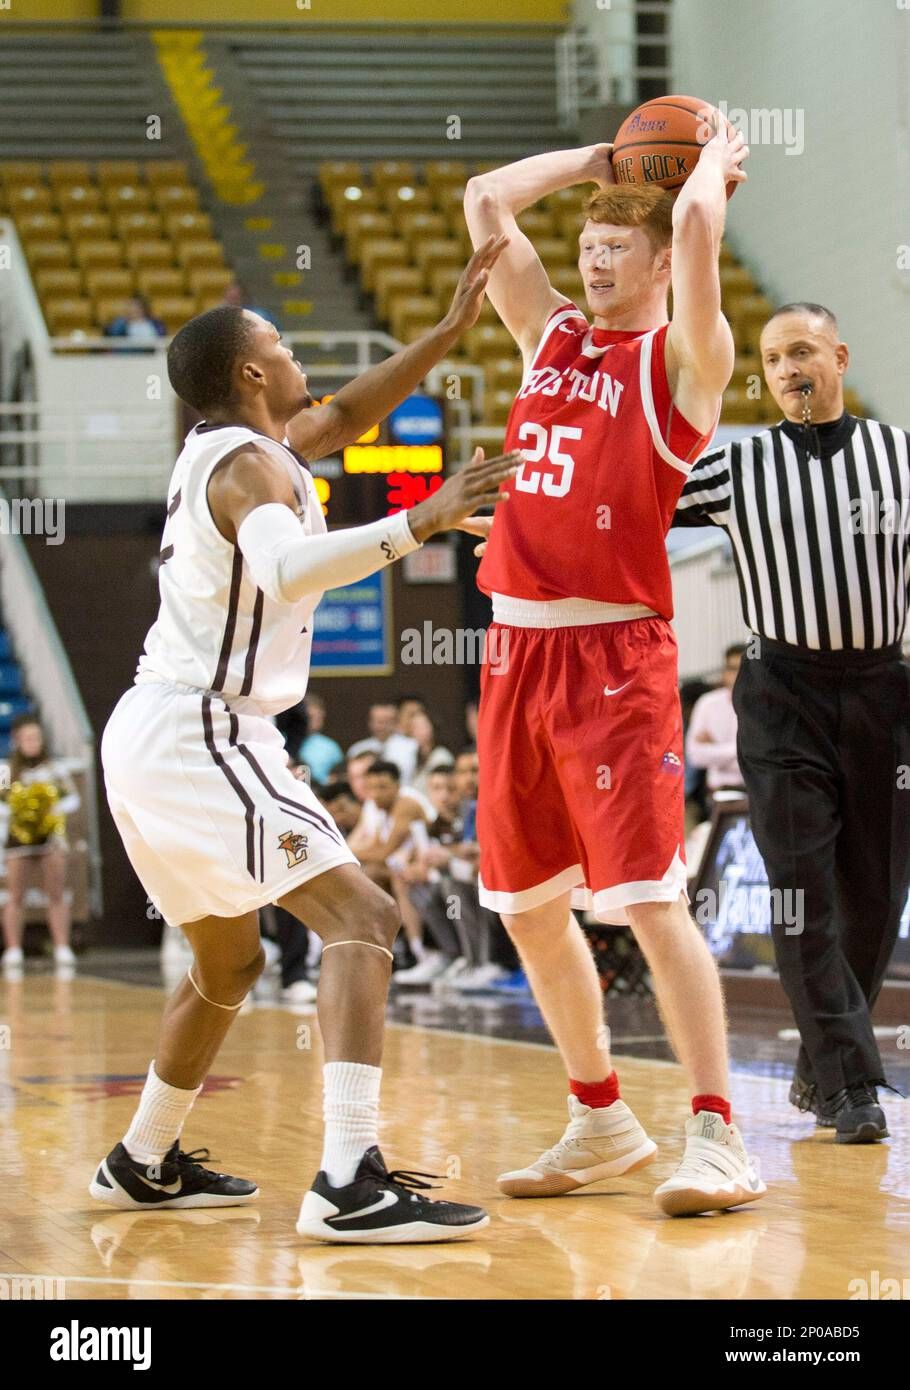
x: 541, y: 443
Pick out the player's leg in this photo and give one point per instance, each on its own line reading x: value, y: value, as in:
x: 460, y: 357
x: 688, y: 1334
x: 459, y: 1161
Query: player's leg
x: 13, y: 912
x: 354, y: 1199
x: 53, y: 868
x: 148, y: 1169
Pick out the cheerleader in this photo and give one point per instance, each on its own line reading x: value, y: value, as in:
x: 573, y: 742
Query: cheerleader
x: 39, y: 794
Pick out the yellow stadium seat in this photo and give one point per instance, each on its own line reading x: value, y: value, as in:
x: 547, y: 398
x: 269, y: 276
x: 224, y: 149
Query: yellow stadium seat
x: 504, y: 373
x: 20, y: 171
x: 58, y: 284
x: 439, y: 173
x: 434, y: 252
x: 364, y: 226
x: 443, y: 279
x: 142, y: 225
x: 347, y: 198
x: 416, y: 328
x: 377, y: 252
x: 175, y: 197
x: 184, y: 226
x: 553, y: 251
x: 486, y: 341
x: 173, y: 310
x: 748, y: 317
x: 333, y: 172
x: 408, y: 197
x: 170, y: 172
x: 28, y: 197
x: 497, y: 405
x: 740, y: 409
x: 45, y: 226
x: 143, y: 254
x: 161, y: 282
x: 78, y: 197
x: 735, y: 282
x: 208, y: 279
x: 68, y: 171
x: 567, y: 280
x: 536, y: 224
x: 853, y: 403
x: 112, y: 173
x: 394, y: 280
x: 98, y: 253
x: 386, y: 171
x: 567, y: 199
x: 64, y: 315
x: 47, y: 254
x: 408, y: 308
x: 449, y: 200
x: 569, y: 223
x: 103, y: 282
x: 87, y: 224
x: 207, y: 301
x: 417, y: 226
x: 200, y: 251
x: 127, y: 197
x: 486, y: 166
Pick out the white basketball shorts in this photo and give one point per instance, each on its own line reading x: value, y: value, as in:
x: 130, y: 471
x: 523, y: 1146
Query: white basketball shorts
x: 214, y: 822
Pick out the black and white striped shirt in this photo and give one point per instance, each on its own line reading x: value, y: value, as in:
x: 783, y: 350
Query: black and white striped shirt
x: 821, y: 543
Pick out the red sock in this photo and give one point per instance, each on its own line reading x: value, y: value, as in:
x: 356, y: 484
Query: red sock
x: 597, y: 1094
x: 716, y: 1103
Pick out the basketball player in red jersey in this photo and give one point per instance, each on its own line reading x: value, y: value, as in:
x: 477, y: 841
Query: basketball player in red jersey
x: 580, y: 734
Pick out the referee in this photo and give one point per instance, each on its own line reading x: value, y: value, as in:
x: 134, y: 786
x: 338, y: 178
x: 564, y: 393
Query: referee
x: 818, y: 512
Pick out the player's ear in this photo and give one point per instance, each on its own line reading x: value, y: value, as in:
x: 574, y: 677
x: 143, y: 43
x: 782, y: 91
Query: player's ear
x: 252, y: 375
x: 842, y: 357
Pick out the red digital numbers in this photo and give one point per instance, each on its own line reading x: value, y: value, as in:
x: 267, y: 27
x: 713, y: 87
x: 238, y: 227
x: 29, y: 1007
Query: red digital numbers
x: 407, y: 489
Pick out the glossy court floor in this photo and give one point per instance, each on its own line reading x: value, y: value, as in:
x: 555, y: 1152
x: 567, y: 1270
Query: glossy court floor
x: 460, y: 1100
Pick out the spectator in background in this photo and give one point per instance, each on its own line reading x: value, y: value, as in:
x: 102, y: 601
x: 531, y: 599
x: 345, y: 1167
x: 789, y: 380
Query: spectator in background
x: 319, y: 752
x: 137, y: 323
x: 430, y: 754
x: 408, y: 706
x: 342, y: 805
x: 355, y: 769
x: 236, y: 294
x: 392, y: 820
x: 696, y: 784
x: 39, y: 794
x: 386, y: 742
x: 470, y: 722
x: 711, y: 736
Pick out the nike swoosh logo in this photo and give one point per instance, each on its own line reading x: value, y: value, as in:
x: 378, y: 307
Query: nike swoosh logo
x: 172, y: 1189
x: 608, y: 691
x: 388, y: 1199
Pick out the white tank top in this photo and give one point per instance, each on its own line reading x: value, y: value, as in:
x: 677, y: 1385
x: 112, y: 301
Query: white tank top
x: 216, y: 630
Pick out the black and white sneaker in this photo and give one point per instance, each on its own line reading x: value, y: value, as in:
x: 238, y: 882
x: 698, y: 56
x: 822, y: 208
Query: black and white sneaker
x: 178, y: 1181
x: 381, y: 1208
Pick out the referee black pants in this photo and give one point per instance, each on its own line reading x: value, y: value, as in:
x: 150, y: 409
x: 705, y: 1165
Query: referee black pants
x: 822, y: 740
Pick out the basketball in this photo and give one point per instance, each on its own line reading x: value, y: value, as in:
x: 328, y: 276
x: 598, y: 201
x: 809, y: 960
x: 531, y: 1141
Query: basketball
x: 661, y: 141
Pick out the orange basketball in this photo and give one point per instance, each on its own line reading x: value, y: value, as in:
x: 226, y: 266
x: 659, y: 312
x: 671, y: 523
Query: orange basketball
x: 661, y: 141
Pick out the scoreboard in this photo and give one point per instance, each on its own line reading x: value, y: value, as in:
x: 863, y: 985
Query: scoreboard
x: 391, y: 467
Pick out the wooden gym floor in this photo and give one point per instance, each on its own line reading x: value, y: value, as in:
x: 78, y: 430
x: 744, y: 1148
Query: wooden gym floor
x: 73, y: 1056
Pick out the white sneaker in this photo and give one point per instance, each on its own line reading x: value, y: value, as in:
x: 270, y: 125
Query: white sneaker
x: 63, y: 955
x: 598, y: 1143
x: 300, y: 992
x: 479, y: 978
x: 430, y: 968
x: 715, y: 1172
x: 452, y: 971
x: 272, y: 956
x: 12, y: 958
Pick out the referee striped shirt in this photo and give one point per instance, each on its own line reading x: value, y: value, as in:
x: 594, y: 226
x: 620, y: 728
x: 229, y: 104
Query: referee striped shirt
x: 821, y: 539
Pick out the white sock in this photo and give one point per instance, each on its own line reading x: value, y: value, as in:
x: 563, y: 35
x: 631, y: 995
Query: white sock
x: 351, y: 1113
x: 418, y: 950
x: 159, y: 1119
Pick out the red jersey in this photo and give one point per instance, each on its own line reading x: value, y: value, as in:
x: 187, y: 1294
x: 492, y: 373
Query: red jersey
x: 608, y: 455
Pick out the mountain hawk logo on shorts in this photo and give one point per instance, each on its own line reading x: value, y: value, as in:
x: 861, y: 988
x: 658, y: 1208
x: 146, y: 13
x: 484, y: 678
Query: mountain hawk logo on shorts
x: 671, y: 763
x: 294, y: 846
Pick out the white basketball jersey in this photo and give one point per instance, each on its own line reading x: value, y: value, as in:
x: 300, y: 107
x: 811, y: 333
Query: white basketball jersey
x: 216, y: 630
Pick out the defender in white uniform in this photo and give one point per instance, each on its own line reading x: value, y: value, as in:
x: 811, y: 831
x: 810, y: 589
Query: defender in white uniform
x: 197, y: 777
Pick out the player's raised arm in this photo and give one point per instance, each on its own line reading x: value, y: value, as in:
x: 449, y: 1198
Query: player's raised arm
x: 699, y: 349
x: 253, y: 505
x: 519, y: 287
x: 325, y: 429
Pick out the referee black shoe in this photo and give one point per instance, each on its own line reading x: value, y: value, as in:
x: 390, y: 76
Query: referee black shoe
x: 856, y: 1114
x: 383, y: 1208
x: 804, y: 1095
x: 178, y: 1181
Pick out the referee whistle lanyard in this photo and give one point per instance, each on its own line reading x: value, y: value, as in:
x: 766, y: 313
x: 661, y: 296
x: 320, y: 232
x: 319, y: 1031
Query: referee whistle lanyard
x: 810, y: 430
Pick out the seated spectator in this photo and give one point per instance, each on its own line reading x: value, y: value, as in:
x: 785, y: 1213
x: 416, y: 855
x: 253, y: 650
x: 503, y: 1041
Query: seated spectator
x: 39, y: 795
x: 408, y: 706
x: 391, y: 817
x: 386, y: 742
x: 137, y: 323
x: 317, y: 751
x: 342, y: 805
x: 695, y: 781
x: 355, y: 773
x: 430, y: 753
x: 711, y: 735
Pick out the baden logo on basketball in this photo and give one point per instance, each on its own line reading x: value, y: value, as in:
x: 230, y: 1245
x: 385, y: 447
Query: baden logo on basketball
x: 294, y: 846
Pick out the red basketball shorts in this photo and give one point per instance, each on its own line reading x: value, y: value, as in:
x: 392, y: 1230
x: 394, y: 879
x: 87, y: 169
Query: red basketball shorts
x: 581, y: 767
